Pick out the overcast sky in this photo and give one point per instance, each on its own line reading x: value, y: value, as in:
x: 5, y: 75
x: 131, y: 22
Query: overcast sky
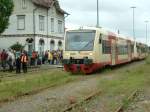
x: 114, y: 15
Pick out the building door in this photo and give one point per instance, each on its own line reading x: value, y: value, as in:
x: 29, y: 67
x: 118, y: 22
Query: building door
x: 30, y: 47
x: 113, y: 51
x: 41, y: 47
x: 60, y: 45
x: 52, y: 45
x: 30, y: 44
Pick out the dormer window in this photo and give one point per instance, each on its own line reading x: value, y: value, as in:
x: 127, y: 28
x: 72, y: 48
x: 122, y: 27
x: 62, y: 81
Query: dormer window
x: 24, y: 6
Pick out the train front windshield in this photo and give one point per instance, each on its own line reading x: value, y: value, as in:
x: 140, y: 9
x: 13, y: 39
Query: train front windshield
x: 80, y: 40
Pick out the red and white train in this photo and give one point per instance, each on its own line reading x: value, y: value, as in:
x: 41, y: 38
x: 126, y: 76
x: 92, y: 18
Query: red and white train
x: 89, y: 49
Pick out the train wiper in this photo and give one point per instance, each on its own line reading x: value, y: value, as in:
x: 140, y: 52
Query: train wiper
x: 86, y: 45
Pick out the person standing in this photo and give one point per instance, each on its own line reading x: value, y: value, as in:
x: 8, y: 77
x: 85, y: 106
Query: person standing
x: 33, y: 58
x: 10, y: 60
x: 55, y: 58
x: 46, y: 57
x: 50, y: 57
x: 18, y: 62
x: 24, y: 60
x: 4, y: 59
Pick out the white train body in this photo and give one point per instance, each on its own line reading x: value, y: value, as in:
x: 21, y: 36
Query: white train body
x: 89, y: 49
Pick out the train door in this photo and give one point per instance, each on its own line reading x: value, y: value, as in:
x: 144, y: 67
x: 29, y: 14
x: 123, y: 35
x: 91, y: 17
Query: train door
x: 129, y: 51
x: 113, y: 51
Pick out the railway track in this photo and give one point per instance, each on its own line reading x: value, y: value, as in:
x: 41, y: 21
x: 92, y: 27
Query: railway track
x: 86, y: 99
x: 38, y: 69
x: 122, y: 107
x: 30, y: 70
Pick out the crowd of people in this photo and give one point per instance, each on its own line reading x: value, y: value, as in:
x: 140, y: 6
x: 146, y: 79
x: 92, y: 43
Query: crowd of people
x: 20, y: 60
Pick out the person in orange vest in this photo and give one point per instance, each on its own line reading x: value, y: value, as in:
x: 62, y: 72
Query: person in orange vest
x: 24, y: 61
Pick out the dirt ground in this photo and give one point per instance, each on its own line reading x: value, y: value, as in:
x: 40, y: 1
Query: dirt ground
x: 59, y: 98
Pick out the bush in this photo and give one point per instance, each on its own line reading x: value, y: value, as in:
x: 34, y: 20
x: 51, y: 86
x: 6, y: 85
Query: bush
x: 17, y: 47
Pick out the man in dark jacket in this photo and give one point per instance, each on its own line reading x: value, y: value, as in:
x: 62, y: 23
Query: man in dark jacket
x: 18, y: 62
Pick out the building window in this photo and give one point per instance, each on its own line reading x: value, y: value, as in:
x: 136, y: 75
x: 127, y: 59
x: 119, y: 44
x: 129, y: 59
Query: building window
x: 41, y: 23
x: 59, y: 26
x: 52, y: 24
x: 24, y: 6
x: 106, y: 47
x: 21, y: 22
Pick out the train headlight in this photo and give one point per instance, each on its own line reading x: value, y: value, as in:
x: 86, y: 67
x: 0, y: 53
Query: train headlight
x: 91, y: 54
x: 67, y: 54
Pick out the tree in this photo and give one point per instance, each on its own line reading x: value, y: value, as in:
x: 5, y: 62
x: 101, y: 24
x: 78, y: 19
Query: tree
x: 6, y: 8
x: 17, y: 47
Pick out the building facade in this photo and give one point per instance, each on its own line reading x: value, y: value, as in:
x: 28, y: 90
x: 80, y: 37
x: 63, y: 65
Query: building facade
x: 37, y: 24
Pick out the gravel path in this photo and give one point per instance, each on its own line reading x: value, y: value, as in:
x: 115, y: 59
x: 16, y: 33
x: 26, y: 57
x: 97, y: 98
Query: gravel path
x: 52, y: 100
x: 57, y: 99
x: 141, y: 103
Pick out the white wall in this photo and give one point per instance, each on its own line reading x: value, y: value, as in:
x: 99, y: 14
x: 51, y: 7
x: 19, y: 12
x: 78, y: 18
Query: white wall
x: 51, y: 14
x: 47, y: 43
x: 6, y: 42
x: 28, y: 12
x: 18, y: 10
x: 12, y: 29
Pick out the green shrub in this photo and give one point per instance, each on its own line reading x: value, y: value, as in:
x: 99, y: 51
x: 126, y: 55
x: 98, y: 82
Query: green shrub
x: 17, y: 47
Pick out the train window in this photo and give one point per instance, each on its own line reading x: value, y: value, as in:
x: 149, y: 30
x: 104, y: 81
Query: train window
x: 106, y: 47
x: 138, y: 48
x: 143, y: 49
x: 122, y: 49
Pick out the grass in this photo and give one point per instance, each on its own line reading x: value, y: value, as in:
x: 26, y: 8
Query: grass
x: 126, y: 82
x: 148, y: 61
x: 12, y: 88
x: 122, y: 83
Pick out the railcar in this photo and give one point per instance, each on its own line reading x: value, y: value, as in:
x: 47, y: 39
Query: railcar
x: 89, y: 49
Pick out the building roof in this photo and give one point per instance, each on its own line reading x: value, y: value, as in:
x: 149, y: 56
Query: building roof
x: 49, y: 4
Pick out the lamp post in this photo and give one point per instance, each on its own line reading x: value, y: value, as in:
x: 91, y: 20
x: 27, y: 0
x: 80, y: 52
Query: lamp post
x: 133, y: 7
x: 34, y: 27
x: 97, y: 13
x: 146, y: 22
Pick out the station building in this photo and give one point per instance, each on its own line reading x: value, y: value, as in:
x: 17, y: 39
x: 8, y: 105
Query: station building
x: 36, y: 24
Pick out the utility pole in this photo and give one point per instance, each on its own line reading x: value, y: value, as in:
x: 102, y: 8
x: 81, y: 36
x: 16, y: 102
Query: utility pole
x: 133, y: 7
x: 146, y: 22
x: 97, y: 13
